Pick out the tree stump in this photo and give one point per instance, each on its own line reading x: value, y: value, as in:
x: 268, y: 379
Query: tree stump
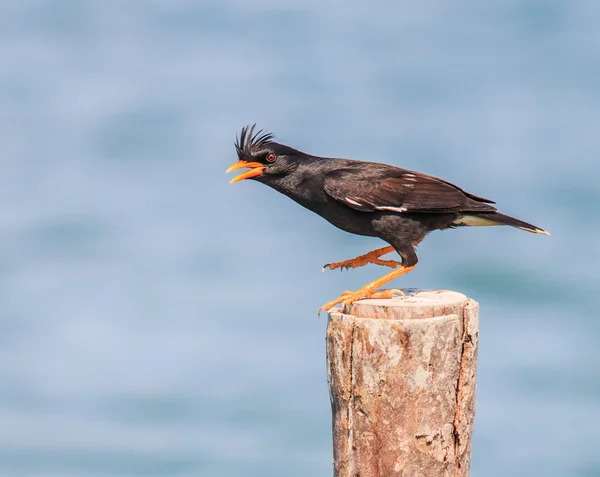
x: 401, y: 376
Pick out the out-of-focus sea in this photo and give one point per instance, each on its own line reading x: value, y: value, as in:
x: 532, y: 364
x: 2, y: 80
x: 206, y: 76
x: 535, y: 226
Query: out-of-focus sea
x: 155, y: 320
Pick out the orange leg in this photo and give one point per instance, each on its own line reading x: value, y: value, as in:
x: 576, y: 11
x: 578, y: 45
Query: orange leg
x: 371, y: 257
x: 369, y: 290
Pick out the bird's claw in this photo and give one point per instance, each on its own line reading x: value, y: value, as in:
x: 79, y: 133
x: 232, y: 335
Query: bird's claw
x: 329, y: 305
x: 359, y: 262
x: 388, y: 293
x: 349, y: 297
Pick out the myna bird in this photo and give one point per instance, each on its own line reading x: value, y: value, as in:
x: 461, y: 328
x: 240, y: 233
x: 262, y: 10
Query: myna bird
x: 366, y: 198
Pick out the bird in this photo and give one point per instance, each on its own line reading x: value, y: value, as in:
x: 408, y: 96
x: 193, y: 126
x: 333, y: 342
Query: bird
x: 396, y: 205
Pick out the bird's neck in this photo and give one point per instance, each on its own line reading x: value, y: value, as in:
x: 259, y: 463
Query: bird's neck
x: 303, y: 185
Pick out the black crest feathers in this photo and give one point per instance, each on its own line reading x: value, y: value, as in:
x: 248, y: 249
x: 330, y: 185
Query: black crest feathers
x: 249, y: 143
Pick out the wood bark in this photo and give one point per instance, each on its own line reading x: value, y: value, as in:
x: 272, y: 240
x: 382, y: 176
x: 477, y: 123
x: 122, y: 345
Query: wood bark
x: 401, y: 376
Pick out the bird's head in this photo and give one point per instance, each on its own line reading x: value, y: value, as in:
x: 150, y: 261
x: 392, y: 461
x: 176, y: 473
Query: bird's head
x: 266, y: 160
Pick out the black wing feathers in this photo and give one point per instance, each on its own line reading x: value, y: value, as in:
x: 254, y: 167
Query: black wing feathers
x: 397, y: 190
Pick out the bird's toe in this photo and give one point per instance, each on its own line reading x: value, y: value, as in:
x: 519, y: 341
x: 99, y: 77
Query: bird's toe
x: 387, y: 293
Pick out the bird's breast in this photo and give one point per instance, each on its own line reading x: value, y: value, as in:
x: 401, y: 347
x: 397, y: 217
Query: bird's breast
x: 347, y: 219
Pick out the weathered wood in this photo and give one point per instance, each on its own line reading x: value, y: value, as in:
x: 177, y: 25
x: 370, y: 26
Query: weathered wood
x: 401, y: 378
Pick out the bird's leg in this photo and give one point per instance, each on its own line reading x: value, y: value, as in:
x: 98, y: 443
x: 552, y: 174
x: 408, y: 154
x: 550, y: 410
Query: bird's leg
x: 371, y: 257
x: 369, y: 290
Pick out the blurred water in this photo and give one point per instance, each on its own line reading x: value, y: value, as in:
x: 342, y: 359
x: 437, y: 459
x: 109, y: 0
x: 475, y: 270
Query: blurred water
x: 156, y: 321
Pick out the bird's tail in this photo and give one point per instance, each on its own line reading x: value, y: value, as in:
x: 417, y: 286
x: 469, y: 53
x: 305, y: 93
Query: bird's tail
x: 483, y: 219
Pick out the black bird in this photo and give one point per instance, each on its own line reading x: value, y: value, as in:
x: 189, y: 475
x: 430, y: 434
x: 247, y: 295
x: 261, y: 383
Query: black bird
x: 366, y: 198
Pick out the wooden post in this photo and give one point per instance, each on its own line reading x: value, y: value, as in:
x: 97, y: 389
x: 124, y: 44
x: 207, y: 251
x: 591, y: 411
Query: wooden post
x: 401, y: 378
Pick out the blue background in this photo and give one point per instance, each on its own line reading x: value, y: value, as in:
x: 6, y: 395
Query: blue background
x: 156, y: 321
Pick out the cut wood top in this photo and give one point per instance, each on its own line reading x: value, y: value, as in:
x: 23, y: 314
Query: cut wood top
x: 416, y: 305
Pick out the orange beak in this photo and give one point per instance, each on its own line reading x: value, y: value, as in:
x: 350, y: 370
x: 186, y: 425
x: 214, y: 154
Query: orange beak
x: 256, y: 169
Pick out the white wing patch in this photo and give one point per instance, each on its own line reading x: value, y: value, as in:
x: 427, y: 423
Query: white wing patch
x: 353, y: 202
x: 392, y: 209
x: 383, y: 207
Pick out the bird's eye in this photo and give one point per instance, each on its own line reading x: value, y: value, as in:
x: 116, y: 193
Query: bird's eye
x: 271, y: 157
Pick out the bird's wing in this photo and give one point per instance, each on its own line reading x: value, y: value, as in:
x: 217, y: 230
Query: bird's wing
x: 387, y: 188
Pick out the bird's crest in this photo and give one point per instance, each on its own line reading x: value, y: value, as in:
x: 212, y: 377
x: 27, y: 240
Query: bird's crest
x: 249, y: 143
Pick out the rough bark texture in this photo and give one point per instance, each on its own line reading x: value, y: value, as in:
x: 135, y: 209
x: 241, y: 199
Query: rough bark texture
x: 402, y: 384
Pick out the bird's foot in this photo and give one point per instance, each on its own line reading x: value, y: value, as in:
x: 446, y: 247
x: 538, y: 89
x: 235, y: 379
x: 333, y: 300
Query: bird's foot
x: 388, y: 293
x: 371, y: 257
x: 349, y: 297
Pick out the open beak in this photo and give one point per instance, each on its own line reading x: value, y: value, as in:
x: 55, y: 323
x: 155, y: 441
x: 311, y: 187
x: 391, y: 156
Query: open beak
x: 256, y: 169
